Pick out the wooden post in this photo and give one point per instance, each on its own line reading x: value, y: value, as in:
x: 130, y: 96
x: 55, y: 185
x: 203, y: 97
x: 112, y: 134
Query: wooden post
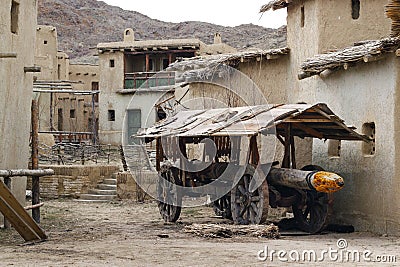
x: 51, y: 111
x: 255, y: 156
x: 7, y: 182
x: 170, y: 58
x: 286, y: 158
x: 94, y: 130
x: 147, y: 62
x: 293, y: 152
x: 159, y: 154
x: 123, y: 160
x: 35, y: 159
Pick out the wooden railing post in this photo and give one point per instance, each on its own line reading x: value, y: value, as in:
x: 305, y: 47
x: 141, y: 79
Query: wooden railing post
x: 7, y: 182
x: 35, y: 159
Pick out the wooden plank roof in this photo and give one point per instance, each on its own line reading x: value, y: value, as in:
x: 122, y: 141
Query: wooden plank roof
x: 316, y: 121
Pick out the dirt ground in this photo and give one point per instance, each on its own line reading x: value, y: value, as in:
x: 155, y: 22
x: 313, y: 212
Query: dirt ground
x: 124, y: 233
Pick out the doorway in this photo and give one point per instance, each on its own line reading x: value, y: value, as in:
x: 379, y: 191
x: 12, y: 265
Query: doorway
x: 134, y: 124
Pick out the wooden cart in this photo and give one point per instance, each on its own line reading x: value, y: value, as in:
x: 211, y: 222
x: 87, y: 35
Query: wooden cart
x: 229, y: 139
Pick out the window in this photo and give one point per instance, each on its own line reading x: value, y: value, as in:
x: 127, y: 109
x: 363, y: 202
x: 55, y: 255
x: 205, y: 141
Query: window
x: 368, y: 129
x: 302, y: 17
x: 112, y: 63
x: 95, y: 87
x: 45, y: 42
x: 111, y: 115
x: 72, y: 113
x: 355, y: 9
x: 334, y: 148
x: 14, y: 17
x: 59, y: 72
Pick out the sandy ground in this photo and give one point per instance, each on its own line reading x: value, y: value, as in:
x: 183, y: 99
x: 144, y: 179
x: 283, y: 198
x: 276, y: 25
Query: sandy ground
x: 127, y: 234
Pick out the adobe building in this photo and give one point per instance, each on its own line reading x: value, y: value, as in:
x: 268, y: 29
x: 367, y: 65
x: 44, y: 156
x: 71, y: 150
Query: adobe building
x: 62, y: 112
x: 46, y: 59
x: 85, y: 77
x: 17, y: 40
x: 361, y: 83
x: 127, y: 71
x: 358, y: 81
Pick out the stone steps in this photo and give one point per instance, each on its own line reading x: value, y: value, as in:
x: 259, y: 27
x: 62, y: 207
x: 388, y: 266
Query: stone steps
x: 110, y: 181
x: 97, y: 197
x: 106, y: 187
x: 104, y: 192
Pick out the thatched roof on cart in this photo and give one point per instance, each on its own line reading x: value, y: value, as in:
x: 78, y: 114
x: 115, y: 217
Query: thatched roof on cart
x: 316, y: 121
x: 204, y: 66
x: 362, y: 52
x: 274, y: 5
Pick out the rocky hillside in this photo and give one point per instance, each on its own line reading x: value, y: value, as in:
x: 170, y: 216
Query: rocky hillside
x: 81, y: 25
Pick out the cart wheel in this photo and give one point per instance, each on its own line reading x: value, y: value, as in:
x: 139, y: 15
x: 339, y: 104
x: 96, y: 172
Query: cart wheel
x: 249, y: 207
x: 168, y: 194
x: 222, y: 207
x: 313, y: 217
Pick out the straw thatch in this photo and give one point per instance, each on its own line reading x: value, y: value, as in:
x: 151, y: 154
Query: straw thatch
x: 365, y: 51
x: 393, y: 12
x: 228, y: 231
x: 205, y: 66
x: 274, y: 5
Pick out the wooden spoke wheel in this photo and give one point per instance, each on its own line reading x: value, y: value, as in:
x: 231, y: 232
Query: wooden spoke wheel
x: 313, y: 217
x: 169, y: 196
x: 249, y: 207
x: 222, y: 207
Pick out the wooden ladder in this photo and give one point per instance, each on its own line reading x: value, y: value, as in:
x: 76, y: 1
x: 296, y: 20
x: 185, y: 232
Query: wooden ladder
x: 19, y: 217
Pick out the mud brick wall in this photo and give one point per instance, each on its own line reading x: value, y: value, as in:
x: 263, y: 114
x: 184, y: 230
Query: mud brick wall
x: 127, y: 188
x: 71, y: 181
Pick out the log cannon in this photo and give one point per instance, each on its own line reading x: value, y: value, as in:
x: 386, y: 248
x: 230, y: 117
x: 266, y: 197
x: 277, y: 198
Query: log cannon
x: 255, y: 186
x: 320, y: 181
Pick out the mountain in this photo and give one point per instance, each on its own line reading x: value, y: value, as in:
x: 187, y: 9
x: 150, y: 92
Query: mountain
x: 81, y: 25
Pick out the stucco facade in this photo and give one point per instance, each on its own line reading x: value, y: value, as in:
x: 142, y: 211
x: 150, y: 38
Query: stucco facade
x: 363, y: 95
x: 70, y: 113
x: 46, y: 59
x: 320, y: 26
x: 127, y: 70
x: 18, y: 29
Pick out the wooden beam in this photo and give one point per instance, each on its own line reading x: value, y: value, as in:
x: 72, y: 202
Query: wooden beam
x: 32, y: 69
x: 8, y: 55
x: 307, y: 120
x: 308, y: 130
x: 270, y: 57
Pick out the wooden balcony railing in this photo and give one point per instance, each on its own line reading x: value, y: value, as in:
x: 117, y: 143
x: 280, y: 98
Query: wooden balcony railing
x: 146, y: 80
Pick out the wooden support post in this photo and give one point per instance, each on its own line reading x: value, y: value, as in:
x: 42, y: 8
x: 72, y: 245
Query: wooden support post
x: 170, y: 58
x: 159, y: 154
x: 286, y: 158
x: 94, y: 130
x: 51, y: 112
x: 293, y: 152
x: 35, y: 159
x: 183, y: 157
x: 123, y: 160
x: 7, y: 182
x: 147, y: 62
x: 255, y: 156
